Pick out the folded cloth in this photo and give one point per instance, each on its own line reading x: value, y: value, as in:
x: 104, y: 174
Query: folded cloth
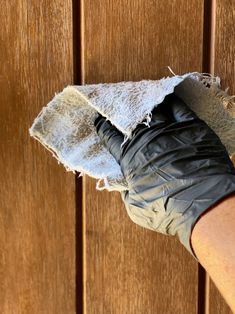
x: 66, y: 125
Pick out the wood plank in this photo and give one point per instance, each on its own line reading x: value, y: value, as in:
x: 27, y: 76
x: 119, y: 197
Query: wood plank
x: 37, y: 206
x: 223, y: 59
x: 129, y: 269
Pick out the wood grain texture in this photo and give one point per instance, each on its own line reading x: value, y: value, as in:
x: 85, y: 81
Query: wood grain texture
x: 37, y: 205
x: 224, y: 66
x: 129, y: 269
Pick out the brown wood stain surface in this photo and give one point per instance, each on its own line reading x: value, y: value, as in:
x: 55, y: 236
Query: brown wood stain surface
x: 37, y: 202
x: 45, y: 46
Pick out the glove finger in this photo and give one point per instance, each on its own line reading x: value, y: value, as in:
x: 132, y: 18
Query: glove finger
x: 110, y: 136
x: 179, y: 110
x: 159, y: 115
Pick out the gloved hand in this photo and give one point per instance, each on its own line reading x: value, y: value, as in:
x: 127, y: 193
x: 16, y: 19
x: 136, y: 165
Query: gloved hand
x: 176, y: 169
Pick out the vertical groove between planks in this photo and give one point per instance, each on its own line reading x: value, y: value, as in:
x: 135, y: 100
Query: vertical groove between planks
x: 82, y: 42
x: 212, y: 38
x: 84, y: 246
x: 209, y: 36
x: 208, y: 67
x: 83, y: 209
x: 207, y: 294
x: 77, y: 80
x: 79, y: 245
x: 211, y: 70
x: 201, y: 290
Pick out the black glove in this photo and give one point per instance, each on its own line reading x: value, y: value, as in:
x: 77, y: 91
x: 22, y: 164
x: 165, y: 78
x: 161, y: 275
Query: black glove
x: 176, y: 169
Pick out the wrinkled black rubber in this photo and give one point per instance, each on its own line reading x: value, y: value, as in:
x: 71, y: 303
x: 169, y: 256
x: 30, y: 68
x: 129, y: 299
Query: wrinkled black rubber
x: 176, y: 169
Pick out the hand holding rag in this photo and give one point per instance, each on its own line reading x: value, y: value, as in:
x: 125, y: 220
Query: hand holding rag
x: 176, y: 168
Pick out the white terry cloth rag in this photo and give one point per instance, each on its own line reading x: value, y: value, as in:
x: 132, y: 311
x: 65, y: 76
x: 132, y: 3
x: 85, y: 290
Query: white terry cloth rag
x: 66, y: 125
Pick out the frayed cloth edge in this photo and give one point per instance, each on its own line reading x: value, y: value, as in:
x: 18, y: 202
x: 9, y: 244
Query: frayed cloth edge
x: 211, y: 82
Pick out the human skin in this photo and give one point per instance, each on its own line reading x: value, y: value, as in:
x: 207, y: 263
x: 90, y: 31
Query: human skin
x: 213, y: 241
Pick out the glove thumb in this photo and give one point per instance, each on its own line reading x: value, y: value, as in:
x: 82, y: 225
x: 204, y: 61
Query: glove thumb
x: 110, y: 136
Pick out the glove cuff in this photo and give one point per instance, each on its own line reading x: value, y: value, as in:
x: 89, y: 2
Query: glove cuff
x: 215, y: 189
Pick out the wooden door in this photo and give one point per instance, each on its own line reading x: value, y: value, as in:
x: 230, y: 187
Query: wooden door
x: 66, y: 247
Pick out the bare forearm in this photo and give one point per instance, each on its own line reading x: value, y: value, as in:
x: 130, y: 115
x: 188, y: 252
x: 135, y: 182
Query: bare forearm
x: 213, y: 241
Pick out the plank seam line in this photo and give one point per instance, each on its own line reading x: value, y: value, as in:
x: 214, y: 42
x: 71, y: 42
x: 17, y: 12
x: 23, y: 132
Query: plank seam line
x: 77, y: 29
